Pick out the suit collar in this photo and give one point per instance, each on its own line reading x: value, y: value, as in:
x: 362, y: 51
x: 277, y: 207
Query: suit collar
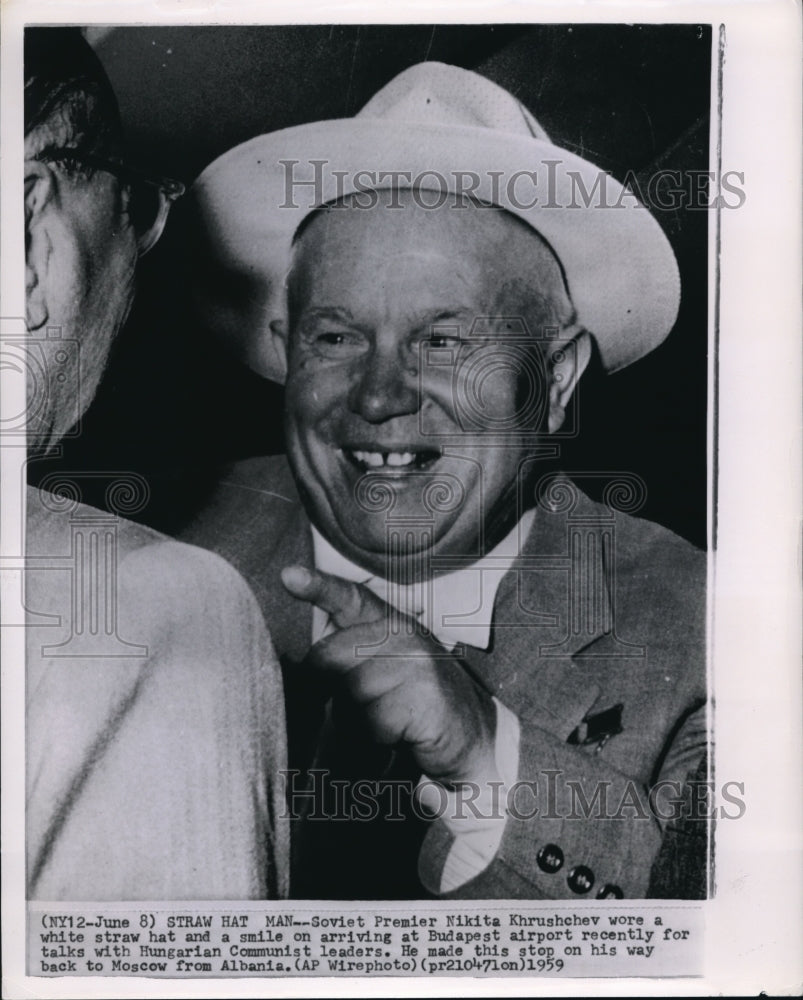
x: 560, y: 586
x: 559, y: 589
x: 553, y: 606
x: 457, y: 607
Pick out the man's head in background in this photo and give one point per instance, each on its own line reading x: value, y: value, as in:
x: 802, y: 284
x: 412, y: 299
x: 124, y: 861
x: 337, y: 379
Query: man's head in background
x: 88, y: 217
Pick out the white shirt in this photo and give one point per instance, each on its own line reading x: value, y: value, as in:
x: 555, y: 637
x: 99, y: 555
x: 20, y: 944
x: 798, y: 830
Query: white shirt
x: 458, y: 609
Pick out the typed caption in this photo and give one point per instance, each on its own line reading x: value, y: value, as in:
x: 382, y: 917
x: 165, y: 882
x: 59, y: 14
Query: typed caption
x: 218, y: 941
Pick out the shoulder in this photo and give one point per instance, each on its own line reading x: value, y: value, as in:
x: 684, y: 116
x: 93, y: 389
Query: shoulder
x: 658, y: 580
x: 266, y: 479
x: 198, y: 618
x: 251, y: 507
x: 636, y: 547
x: 647, y: 551
x: 181, y: 574
x: 155, y: 608
x: 250, y: 488
x: 265, y: 474
x: 176, y: 664
x: 254, y: 519
x: 156, y: 583
x: 52, y: 521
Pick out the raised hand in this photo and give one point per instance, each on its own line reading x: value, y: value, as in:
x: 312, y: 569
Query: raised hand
x: 411, y: 690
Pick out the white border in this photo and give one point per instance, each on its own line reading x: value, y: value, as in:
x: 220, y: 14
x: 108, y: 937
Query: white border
x: 754, y: 924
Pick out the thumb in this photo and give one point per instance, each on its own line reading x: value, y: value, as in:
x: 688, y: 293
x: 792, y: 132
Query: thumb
x: 345, y: 602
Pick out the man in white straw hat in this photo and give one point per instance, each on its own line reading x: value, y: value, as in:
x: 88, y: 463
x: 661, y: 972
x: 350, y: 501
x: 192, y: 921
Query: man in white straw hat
x: 495, y: 687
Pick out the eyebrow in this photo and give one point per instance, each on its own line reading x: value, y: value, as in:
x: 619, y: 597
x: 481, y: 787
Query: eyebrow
x: 328, y: 312
x: 336, y: 314
x: 458, y: 312
x: 424, y: 321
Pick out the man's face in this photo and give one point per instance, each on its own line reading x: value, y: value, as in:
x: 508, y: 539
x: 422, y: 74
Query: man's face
x: 409, y: 373
x: 84, y: 251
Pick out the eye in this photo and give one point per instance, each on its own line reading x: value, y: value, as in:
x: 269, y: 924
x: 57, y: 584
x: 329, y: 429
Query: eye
x: 336, y: 345
x: 443, y: 340
x: 444, y: 337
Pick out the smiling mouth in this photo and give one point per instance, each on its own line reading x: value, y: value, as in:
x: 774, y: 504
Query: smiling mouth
x: 391, y: 462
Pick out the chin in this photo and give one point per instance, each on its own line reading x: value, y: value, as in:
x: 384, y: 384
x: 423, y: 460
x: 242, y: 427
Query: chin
x: 406, y: 552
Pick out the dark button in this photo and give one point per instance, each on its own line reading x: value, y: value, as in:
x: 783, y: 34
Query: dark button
x: 580, y: 879
x: 610, y: 891
x: 550, y: 859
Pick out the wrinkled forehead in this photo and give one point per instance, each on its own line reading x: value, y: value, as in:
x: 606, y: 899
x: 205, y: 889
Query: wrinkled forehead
x: 375, y: 229
x: 405, y: 211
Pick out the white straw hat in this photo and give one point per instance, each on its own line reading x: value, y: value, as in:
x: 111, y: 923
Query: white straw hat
x: 436, y: 128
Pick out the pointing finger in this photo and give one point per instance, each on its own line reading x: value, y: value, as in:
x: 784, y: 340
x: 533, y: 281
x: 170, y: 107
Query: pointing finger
x: 347, y: 603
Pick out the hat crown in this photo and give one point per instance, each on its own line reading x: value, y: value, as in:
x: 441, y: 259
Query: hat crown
x: 445, y: 126
x: 437, y: 94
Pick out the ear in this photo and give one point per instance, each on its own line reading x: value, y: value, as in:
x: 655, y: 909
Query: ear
x: 566, y: 362
x: 40, y: 191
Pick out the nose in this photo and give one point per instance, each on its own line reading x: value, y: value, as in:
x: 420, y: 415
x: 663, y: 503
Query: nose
x: 386, y: 387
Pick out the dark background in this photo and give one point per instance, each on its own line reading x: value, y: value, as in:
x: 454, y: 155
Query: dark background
x: 174, y: 407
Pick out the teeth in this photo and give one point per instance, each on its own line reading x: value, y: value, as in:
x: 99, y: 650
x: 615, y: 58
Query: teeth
x: 376, y: 459
x: 372, y: 458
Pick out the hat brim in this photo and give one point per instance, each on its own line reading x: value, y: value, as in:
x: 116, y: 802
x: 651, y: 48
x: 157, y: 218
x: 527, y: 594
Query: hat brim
x: 619, y: 266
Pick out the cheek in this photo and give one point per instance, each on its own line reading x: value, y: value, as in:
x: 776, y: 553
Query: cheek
x: 312, y: 398
x: 122, y: 281
x: 109, y: 268
x: 109, y: 240
x: 112, y: 288
x: 501, y: 389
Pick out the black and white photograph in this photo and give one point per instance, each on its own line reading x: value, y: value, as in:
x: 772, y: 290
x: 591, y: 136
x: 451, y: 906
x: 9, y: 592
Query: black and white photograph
x: 371, y: 466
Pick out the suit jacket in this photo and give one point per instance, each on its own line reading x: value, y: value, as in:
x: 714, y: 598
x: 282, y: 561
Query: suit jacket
x: 154, y: 711
x: 598, y: 627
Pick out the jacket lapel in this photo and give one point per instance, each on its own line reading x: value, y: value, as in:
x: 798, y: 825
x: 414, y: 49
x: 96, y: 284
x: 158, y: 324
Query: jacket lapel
x: 553, y: 608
